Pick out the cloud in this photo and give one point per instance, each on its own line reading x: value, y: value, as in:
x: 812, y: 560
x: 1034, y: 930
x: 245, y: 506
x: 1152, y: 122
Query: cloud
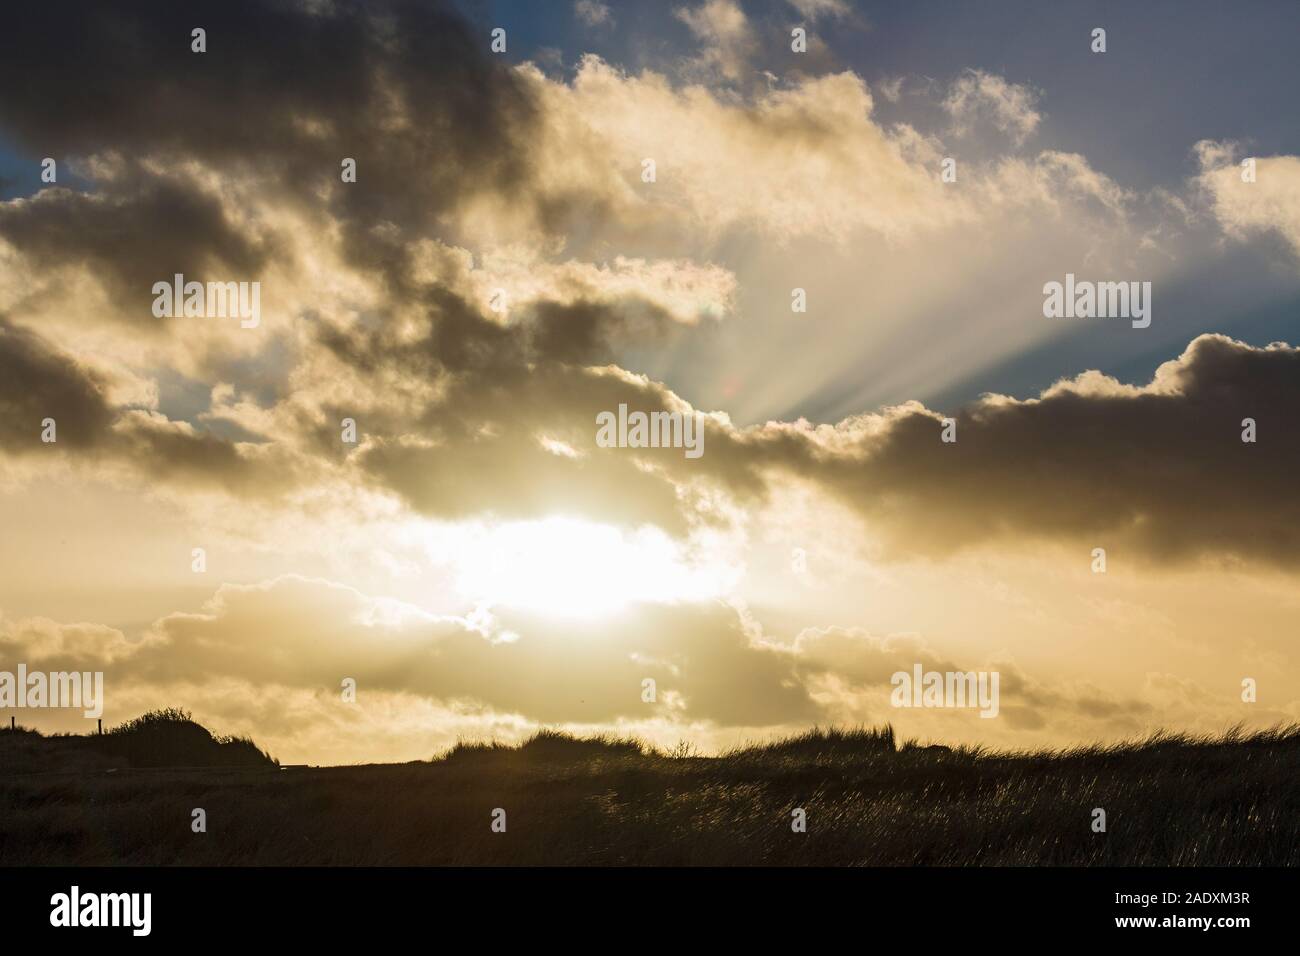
x: 850, y: 668
x: 38, y: 382
x: 795, y: 163
x: 1269, y: 204
x: 682, y: 290
x: 1009, y: 106
x: 815, y: 9
x: 389, y: 84
x: 47, y: 645
x: 803, y: 161
x: 593, y: 13
x: 891, y: 88
x: 1160, y: 469
x: 728, y: 41
x: 311, y: 634
x: 143, y: 232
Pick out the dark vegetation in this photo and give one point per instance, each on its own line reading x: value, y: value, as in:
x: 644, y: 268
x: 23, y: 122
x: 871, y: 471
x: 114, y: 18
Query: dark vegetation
x: 1169, y: 800
x: 160, y: 738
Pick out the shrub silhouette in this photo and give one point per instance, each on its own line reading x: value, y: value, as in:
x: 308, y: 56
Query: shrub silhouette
x: 550, y: 746
x: 170, y: 738
x: 828, y: 744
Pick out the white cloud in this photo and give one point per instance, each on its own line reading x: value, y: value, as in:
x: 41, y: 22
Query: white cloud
x: 1009, y: 106
x: 813, y: 9
x: 727, y: 40
x: 1269, y: 204
x: 891, y: 88
x: 593, y: 13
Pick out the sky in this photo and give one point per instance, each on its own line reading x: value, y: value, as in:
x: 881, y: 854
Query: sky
x: 836, y: 259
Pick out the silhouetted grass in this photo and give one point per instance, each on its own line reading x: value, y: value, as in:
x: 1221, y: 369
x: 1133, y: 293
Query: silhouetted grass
x: 551, y: 746
x: 816, y: 744
x: 160, y: 738
x: 1170, y: 799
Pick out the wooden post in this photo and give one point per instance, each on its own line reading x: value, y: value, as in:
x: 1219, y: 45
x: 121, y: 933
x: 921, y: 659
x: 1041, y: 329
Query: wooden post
x: 101, y: 725
x: 11, y: 721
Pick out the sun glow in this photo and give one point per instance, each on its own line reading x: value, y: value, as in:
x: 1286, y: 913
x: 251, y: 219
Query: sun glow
x: 572, y: 567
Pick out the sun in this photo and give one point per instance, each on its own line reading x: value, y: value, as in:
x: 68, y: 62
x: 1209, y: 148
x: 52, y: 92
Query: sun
x: 570, y: 567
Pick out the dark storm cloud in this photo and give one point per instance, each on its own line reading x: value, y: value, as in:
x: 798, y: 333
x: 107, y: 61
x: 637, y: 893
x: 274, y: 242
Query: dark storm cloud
x: 456, y: 338
x: 1163, y: 470
x: 37, y: 382
x: 284, y: 92
x: 592, y: 333
x: 502, y: 389
x: 177, y: 456
x: 140, y: 235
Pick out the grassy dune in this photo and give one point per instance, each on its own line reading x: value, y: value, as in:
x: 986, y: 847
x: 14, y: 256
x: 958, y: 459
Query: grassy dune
x: 1177, y: 800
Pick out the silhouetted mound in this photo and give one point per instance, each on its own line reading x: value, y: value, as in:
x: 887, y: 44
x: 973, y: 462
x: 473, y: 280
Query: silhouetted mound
x: 550, y: 746
x: 160, y: 738
x: 171, y: 738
